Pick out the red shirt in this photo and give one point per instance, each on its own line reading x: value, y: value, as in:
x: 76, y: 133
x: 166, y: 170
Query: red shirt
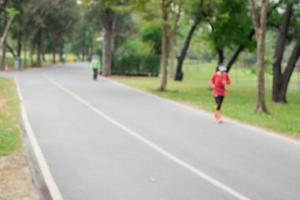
x: 217, y: 83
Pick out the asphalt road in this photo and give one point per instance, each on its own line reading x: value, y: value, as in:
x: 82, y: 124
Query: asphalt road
x: 104, y: 141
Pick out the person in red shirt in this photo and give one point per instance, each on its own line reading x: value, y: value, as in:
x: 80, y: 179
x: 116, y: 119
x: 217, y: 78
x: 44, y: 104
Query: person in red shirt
x: 217, y: 82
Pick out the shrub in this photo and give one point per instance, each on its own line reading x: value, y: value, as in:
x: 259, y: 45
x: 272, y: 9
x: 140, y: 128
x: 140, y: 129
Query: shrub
x: 134, y: 58
x: 136, y: 65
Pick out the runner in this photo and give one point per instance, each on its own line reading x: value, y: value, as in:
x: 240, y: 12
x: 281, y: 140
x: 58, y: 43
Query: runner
x: 218, y: 81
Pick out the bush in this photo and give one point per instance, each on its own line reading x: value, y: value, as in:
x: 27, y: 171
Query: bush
x: 134, y: 58
x: 136, y: 65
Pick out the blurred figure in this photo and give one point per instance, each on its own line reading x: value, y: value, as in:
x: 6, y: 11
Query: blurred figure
x: 64, y: 58
x: 95, y: 65
x: 217, y: 82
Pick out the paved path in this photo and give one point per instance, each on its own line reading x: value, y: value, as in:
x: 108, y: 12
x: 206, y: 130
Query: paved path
x: 104, y: 141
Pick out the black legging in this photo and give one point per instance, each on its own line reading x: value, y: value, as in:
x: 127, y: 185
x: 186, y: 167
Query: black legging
x: 219, y: 101
x: 95, y: 73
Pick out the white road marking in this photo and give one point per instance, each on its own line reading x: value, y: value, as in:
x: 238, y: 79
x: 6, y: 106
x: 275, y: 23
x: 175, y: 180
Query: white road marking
x: 53, y: 189
x: 160, y: 150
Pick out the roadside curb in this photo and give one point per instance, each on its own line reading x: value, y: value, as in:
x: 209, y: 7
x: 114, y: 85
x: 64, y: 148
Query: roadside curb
x: 35, y: 170
x: 42, y: 176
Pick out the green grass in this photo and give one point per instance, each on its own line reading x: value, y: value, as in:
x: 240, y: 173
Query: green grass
x: 10, y: 140
x: 239, y: 102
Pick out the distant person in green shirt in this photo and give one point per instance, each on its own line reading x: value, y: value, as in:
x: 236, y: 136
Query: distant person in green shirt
x: 95, y: 65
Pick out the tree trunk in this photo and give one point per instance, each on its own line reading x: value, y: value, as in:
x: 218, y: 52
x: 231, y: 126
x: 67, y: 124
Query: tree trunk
x: 44, y: 57
x: 278, y: 56
x: 19, y: 45
x: 39, y: 49
x: 4, y: 49
x: 39, y: 56
x: 19, y: 61
x: 54, y: 53
x: 109, y: 23
x: 282, y: 96
x: 83, y: 55
x: 260, y: 23
x: 32, y: 50
x: 25, y: 55
x: 173, y: 34
x: 260, y: 102
x: 221, y: 56
x: 61, y: 52
x: 3, y: 43
x: 24, y: 63
x: 172, y: 53
x: 164, y: 43
x: 12, y: 51
x: 53, y: 56
x: 181, y: 57
x: 6, y: 25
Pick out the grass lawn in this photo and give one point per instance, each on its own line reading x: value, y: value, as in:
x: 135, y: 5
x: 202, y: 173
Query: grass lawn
x: 10, y: 140
x: 239, y: 102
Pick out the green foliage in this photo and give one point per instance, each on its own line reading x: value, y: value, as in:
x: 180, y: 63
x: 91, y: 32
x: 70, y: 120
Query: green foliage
x: 11, y: 12
x: 200, y: 48
x: 53, y: 17
x: 94, y: 12
x: 61, y: 19
x: 83, y: 38
x: 151, y: 32
x: 275, y: 20
x: 136, y: 65
x: 116, y: 5
x: 124, y: 28
x: 230, y: 24
x: 199, y: 10
x: 134, y: 58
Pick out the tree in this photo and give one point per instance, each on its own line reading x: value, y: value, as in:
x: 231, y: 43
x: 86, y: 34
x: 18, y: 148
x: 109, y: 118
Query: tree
x: 281, y: 78
x: 108, y: 10
x: 18, y: 29
x: 35, y: 14
x: 59, y: 24
x: 165, y: 6
x: 198, y: 10
x: 229, y: 27
x: 9, y: 15
x: 109, y: 26
x: 175, y: 15
x: 260, y: 25
x: 108, y: 20
x: 224, y: 18
x: 152, y: 33
x: 83, y: 37
x: 248, y: 39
